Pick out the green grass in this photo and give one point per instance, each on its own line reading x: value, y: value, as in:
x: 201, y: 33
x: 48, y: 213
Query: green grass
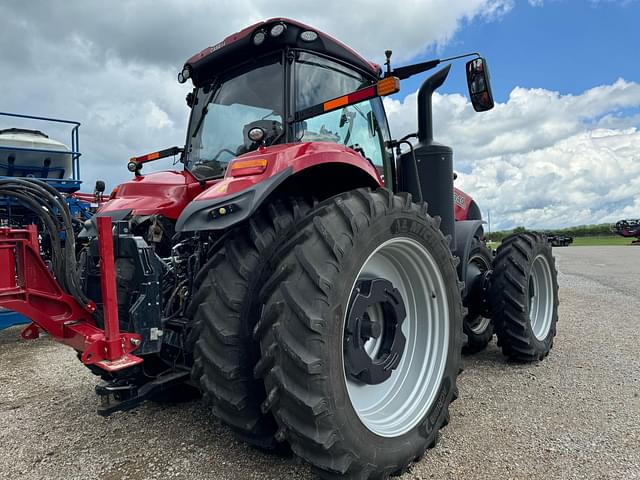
x: 608, y: 240
x: 586, y: 241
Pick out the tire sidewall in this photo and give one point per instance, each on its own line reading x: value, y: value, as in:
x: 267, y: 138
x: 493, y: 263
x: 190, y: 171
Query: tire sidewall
x: 385, y: 450
x: 544, y: 249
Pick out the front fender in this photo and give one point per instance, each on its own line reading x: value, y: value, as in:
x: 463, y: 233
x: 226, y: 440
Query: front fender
x: 223, y: 212
x: 239, y: 197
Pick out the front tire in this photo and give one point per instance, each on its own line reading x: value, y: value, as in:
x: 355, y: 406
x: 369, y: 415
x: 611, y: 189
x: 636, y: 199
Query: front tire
x: 225, y: 309
x: 524, y: 297
x: 340, y: 418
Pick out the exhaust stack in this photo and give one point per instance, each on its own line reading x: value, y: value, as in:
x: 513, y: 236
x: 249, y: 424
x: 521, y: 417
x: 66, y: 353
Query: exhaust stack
x: 434, y: 161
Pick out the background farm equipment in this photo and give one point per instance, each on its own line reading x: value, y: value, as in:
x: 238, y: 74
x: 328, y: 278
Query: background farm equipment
x: 27, y: 154
x: 558, y: 239
x: 313, y: 277
x: 628, y: 228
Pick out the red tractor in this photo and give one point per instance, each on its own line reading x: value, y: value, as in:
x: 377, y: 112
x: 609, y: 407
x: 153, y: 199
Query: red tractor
x: 628, y: 228
x: 314, y: 278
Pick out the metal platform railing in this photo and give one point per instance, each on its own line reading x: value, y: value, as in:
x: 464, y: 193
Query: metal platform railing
x: 75, y: 140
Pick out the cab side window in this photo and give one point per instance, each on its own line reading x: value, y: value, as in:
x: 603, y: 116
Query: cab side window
x: 317, y: 80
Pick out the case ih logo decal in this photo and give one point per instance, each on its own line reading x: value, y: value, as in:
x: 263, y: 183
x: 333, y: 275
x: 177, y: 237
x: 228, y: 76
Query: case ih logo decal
x: 459, y: 200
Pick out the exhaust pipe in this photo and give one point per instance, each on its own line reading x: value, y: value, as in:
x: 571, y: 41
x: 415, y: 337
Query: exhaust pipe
x: 425, y: 109
x: 434, y: 162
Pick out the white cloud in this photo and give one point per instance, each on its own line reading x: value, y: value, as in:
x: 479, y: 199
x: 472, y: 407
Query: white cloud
x: 542, y: 159
x: 163, y: 31
x: 156, y: 118
x: 113, y: 65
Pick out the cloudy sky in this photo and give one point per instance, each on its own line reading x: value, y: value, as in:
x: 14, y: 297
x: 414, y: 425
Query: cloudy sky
x: 562, y: 146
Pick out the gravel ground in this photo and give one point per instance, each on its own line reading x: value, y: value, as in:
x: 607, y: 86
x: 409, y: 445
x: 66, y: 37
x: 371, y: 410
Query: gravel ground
x: 575, y: 415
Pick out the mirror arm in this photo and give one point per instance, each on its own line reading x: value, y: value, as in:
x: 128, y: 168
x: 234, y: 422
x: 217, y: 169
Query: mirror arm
x: 409, y: 70
x: 464, y: 55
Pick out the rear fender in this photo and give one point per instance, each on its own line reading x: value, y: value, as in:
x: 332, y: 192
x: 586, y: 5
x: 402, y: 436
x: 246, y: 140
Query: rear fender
x: 465, y: 231
x: 465, y: 208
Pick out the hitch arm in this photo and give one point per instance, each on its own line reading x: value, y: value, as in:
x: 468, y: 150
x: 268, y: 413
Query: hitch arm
x: 28, y: 287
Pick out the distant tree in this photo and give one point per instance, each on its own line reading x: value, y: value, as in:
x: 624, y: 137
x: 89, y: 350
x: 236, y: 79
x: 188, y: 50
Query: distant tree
x: 599, y: 230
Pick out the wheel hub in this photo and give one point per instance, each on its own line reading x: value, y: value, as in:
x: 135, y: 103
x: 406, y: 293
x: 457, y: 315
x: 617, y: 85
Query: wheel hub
x: 373, y: 341
x: 398, y: 404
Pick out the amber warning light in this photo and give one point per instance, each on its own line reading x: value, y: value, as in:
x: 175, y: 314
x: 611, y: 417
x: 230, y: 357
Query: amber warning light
x: 386, y: 86
x: 240, y: 168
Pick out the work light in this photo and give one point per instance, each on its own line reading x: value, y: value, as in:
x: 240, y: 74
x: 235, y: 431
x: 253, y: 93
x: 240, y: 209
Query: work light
x: 277, y: 29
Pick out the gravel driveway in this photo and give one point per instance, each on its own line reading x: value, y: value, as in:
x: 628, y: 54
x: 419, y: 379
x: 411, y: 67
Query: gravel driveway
x: 575, y: 415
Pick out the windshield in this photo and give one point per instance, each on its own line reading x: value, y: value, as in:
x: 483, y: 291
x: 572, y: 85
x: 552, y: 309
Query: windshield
x: 226, y: 110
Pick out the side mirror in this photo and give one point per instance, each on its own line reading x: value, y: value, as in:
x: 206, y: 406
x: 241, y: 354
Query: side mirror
x: 479, y: 86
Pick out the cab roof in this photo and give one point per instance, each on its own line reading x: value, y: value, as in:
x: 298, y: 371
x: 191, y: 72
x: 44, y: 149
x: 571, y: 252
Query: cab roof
x: 241, y: 46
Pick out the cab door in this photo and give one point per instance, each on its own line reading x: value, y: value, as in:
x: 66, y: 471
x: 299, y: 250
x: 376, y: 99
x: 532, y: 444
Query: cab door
x: 361, y: 127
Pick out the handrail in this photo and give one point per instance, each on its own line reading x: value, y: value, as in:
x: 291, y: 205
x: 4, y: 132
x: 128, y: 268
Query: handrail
x: 34, y: 117
x: 41, y: 150
x: 75, y: 140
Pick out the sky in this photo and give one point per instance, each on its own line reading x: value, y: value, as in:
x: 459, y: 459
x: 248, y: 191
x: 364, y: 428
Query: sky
x: 561, y: 147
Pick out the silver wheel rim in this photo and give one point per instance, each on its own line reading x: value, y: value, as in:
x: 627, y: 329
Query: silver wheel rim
x: 540, y: 297
x: 397, y: 405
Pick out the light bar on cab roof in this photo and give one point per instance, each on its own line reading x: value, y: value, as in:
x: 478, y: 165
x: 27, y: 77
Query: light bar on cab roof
x: 386, y: 86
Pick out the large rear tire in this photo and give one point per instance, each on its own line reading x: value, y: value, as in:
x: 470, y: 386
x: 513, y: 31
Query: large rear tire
x: 524, y: 297
x: 350, y: 265
x: 225, y: 309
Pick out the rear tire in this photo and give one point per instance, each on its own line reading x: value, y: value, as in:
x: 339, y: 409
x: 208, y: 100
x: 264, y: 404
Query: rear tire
x: 477, y: 327
x: 524, y: 297
x: 225, y: 309
x: 343, y: 426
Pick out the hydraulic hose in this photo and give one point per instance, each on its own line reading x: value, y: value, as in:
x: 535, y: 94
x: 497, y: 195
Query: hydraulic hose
x: 50, y: 206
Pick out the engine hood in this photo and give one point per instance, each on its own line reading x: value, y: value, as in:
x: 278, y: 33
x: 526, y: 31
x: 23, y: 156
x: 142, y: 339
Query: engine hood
x: 164, y: 193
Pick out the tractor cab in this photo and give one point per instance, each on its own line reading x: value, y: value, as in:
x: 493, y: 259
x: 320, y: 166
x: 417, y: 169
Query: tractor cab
x: 262, y: 94
x: 265, y: 99
x: 250, y: 89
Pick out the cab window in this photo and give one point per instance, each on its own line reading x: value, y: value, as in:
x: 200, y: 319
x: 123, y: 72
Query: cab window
x: 317, y: 80
x: 228, y: 108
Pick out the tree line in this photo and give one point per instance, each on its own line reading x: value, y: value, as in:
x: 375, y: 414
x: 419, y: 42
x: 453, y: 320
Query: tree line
x: 579, y: 231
